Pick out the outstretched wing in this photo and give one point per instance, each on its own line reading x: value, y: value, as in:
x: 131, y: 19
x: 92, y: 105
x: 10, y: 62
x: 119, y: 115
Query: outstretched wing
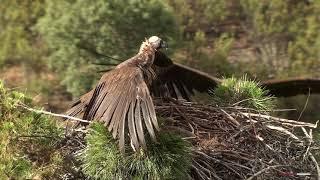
x: 292, y: 86
x: 121, y: 101
x: 176, y: 80
x: 79, y: 106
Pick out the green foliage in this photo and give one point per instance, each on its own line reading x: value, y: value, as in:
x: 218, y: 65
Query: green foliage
x: 75, y: 29
x: 197, y: 15
x: 212, y: 61
x: 169, y: 158
x: 292, y: 27
x: 243, y: 92
x: 19, y: 42
x: 27, y: 140
x: 219, y: 58
x: 101, y: 158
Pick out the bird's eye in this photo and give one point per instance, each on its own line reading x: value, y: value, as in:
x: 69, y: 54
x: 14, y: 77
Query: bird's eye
x: 163, y: 44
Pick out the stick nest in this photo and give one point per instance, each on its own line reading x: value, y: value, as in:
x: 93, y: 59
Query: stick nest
x: 229, y: 143
x: 233, y: 143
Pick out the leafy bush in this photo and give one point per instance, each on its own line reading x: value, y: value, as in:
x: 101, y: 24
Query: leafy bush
x: 292, y: 27
x: 27, y: 139
x: 244, y: 93
x: 199, y: 15
x: 19, y: 41
x: 76, y: 30
x: 212, y: 60
x: 169, y: 158
x: 101, y: 157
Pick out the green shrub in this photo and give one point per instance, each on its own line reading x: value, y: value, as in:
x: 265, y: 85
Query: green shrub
x: 169, y: 158
x: 211, y: 58
x: 74, y: 30
x: 292, y: 27
x: 27, y: 139
x: 244, y: 93
x: 19, y: 41
x: 101, y: 158
x: 194, y: 16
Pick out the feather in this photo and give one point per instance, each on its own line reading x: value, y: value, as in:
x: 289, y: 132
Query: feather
x: 108, y: 115
x: 139, y: 127
x: 152, y: 112
x: 181, y: 88
x: 89, y: 113
x: 110, y: 105
x: 171, y: 90
x: 121, y: 115
x: 147, y: 120
x: 176, y: 90
x: 75, y: 110
x: 121, y: 127
x: 131, y: 126
x: 117, y: 116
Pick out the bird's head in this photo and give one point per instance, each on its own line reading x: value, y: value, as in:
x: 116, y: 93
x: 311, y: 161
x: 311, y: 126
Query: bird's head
x: 153, y: 42
x: 157, y: 43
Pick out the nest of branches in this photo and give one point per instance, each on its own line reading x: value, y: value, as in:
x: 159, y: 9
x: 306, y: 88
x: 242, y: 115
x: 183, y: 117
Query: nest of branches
x: 229, y: 143
x: 233, y: 143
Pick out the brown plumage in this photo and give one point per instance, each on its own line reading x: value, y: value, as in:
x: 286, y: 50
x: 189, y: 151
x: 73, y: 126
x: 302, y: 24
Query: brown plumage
x: 122, y: 99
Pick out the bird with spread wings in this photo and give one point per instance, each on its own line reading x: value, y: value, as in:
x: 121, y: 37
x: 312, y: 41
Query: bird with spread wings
x: 122, y: 99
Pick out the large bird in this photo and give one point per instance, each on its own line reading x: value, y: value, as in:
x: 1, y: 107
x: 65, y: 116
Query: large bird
x: 122, y: 99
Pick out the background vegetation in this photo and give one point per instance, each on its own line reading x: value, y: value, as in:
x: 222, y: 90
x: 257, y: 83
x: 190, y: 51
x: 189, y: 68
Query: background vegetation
x: 48, y: 50
x: 27, y: 140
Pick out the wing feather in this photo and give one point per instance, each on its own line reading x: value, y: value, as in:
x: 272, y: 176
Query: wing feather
x: 152, y: 112
x: 94, y: 102
x: 121, y: 126
x: 137, y: 116
x: 118, y: 113
x: 184, y: 78
x: 109, y: 110
x: 131, y: 126
x: 122, y: 101
x: 147, y: 120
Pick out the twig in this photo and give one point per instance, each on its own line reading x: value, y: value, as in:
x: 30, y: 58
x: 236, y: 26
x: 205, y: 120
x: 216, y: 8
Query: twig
x: 316, y: 164
x: 264, y: 170
x: 305, y: 105
x: 281, y: 120
x: 231, y: 118
x: 283, y: 130
x: 53, y: 114
x: 35, y: 136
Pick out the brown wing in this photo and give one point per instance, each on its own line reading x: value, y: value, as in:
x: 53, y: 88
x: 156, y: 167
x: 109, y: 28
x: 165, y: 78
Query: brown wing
x: 177, y: 80
x: 122, y: 100
x: 292, y: 86
x: 78, y: 107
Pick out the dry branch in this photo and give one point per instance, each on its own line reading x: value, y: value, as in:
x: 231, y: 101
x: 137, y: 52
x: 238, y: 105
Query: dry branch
x: 230, y: 144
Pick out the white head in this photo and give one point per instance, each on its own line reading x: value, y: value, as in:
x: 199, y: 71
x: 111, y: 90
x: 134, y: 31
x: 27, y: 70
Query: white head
x: 156, y: 42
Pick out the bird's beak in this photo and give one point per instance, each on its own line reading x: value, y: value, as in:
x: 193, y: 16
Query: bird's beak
x: 164, y: 45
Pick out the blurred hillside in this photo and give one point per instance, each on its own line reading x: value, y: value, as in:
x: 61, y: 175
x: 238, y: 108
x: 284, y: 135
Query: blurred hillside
x: 48, y: 48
